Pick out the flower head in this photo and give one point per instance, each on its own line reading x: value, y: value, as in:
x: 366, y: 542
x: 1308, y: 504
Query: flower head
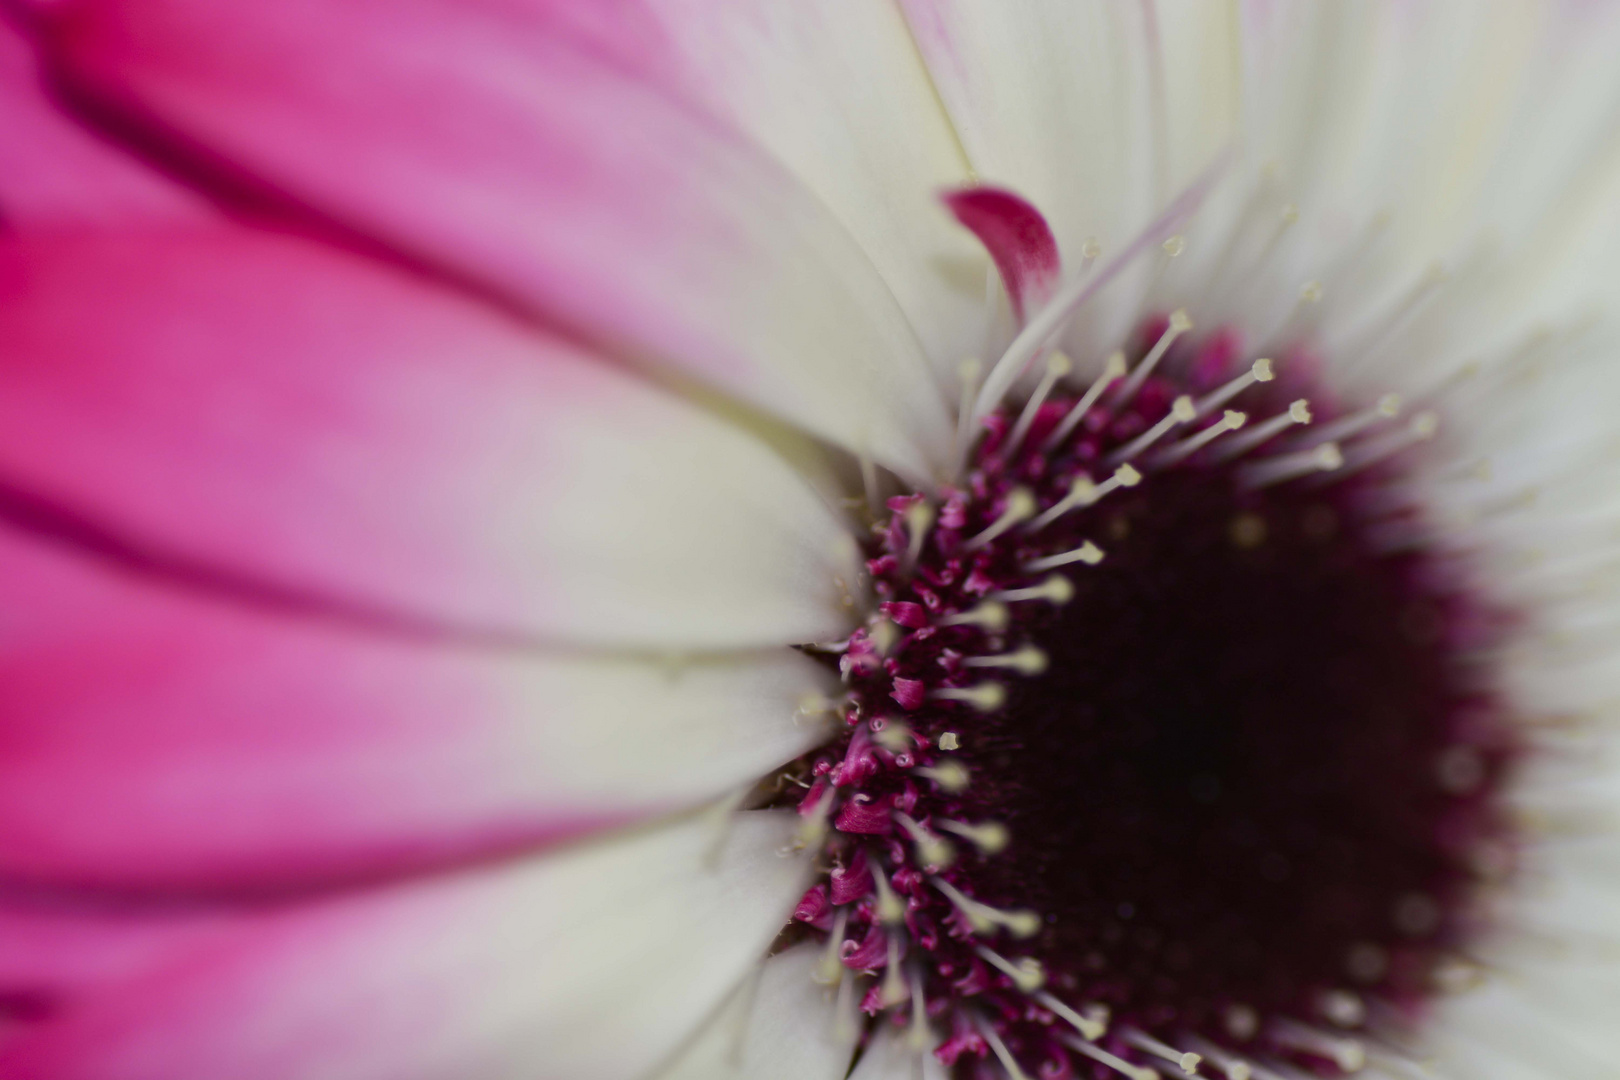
x: 670, y: 540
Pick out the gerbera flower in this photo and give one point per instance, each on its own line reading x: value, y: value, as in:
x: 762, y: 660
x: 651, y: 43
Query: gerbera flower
x: 669, y: 540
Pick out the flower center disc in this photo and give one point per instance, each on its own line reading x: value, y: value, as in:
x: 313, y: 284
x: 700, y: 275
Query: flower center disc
x: 1159, y: 745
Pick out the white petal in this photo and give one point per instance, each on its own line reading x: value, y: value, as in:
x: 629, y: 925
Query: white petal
x: 780, y: 1024
x: 1098, y: 113
x: 890, y: 1057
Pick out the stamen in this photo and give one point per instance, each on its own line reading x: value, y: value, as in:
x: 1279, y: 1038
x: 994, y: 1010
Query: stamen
x: 1182, y: 411
x: 932, y: 851
x: 1088, y: 553
x: 892, y: 735
x: 1020, y: 506
x: 1057, y: 366
x: 986, y: 697
x: 969, y: 373
x: 1026, y: 972
x: 1233, y: 1066
x: 950, y: 741
x: 984, y: 919
x: 920, y: 1038
x: 891, y: 910
x: 990, y: 837
x: 989, y: 616
x: 1088, y: 253
x: 1387, y: 408
x: 1259, y: 372
x: 1084, y: 493
x: 1229, y: 421
x: 1118, y: 1064
x: 1424, y: 425
x: 1090, y: 1029
x: 831, y: 965
x: 884, y: 634
x: 1275, y: 470
x: 919, y: 518
x: 1345, y: 1052
x: 894, y: 985
x: 1186, y: 1061
x: 1112, y: 370
x: 813, y: 830
x: 1026, y: 661
x: 1057, y: 590
x: 1179, y: 324
x: 1299, y: 412
x: 950, y: 775
x: 999, y: 1048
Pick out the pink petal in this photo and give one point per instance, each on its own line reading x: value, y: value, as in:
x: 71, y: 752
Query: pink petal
x: 495, y: 143
x: 159, y: 738
x: 595, y: 963
x: 1018, y: 239
x: 53, y: 172
x: 259, y: 407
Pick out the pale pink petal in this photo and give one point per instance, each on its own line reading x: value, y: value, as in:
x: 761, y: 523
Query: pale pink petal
x: 592, y: 964
x: 53, y: 172
x: 491, y: 141
x: 838, y: 93
x: 779, y: 1024
x: 156, y: 737
x: 1018, y: 239
x: 267, y: 408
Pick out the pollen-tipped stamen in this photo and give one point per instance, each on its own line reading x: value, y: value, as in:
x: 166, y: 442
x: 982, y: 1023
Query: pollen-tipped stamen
x: 1056, y: 589
x: 1298, y: 412
x: 1028, y: 660
x: 989, y: 616
x: 1282, y: 467
x: 1185, y: 1060
x: 1026, y: 973
x: 1180, y: 323
x: 985, y: 697
x: 1090, y: 1029
x: 1020, y: 507
x: 984, y: 919
x: 990, y: 837
x: 999, y: 1048
x: 1097, y: 1053
x: 1182, y: 411
x: 1088, y: 553
x: 1113, y: 370
x: 1259, y: 372
x: 1177, y: 452
x: 1057, y: 366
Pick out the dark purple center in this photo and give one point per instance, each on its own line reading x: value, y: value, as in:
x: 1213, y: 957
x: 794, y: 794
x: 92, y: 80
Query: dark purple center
x: 1247, y: 792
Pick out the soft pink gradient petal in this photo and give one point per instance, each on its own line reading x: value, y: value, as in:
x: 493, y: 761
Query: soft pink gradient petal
x: 838, y: 93
x: 492, y: 141
x: 1018, y: 239
x: 53, y: 172
x: 156, y: 738
x: 269, y: 408
x: 52, y: 953
x: 594, y: 963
